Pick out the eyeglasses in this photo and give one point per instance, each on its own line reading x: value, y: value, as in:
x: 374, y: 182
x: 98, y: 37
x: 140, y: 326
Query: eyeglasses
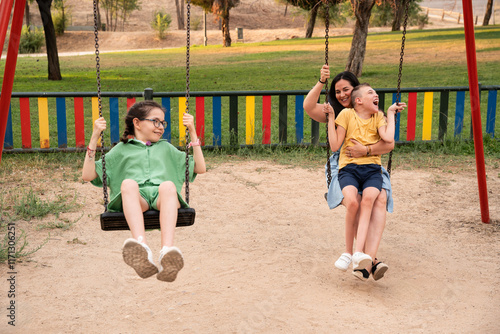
x: 156, y: 122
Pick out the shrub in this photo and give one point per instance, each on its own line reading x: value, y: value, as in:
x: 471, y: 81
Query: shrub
x: 32, y: 40
x: 60, y: 22
x: 160, y: 23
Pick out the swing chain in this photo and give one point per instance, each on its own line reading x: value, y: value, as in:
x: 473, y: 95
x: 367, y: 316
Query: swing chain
x: 188, y: 44
x: 398, y: 92
x: 403, y: 40
x: 327, y: 28
x: 99, y: 101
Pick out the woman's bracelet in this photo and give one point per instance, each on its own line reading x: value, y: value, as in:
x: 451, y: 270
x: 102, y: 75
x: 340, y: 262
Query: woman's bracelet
x: 323, y: 82
x: 197, y: 142
x: 90, y: 152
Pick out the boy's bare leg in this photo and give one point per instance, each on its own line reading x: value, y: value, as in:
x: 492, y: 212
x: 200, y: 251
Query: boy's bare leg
x: 377, y: 225
x: 366, y: 205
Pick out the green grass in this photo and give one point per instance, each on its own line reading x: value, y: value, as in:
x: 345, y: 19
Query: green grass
x: 433, y: 58
x: 276, y: 65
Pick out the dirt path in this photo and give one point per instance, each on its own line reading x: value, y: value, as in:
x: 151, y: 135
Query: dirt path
x: 260, y: 260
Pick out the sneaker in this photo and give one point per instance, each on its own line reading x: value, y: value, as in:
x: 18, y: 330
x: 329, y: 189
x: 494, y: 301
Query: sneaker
x: 378, y: 270
x: 344, y: 261
x: 362, y: 274
x: 138, y: 255
x: 361, y: 261
x: 171, y: 262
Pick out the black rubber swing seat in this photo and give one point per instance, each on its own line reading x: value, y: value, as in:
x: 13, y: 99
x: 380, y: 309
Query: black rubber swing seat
x: 115, y: 221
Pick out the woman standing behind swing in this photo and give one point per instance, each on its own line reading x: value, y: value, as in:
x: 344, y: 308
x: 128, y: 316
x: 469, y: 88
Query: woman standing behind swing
x: 145, y: 171
x: 340, y: 98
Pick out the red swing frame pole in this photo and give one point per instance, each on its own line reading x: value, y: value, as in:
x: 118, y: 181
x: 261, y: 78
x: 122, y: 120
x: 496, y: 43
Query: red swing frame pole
x: 470, y: 47
x: 10, y: 63
x: 5, y: 9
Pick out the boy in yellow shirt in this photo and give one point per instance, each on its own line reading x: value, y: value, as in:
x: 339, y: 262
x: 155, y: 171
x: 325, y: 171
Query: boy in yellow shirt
x: 366, y: 124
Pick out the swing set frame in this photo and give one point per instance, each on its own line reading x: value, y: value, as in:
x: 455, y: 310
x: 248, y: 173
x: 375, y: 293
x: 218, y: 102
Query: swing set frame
x: 6, y: 7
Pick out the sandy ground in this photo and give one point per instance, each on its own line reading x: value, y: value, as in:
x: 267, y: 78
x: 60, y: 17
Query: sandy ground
x: 260, y: 259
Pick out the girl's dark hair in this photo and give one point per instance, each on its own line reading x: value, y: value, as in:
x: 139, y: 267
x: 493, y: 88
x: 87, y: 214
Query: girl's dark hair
x: 139, y: 110
x: 346, y: 75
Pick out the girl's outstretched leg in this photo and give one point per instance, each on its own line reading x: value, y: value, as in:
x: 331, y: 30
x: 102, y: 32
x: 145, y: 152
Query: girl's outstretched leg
x: 133, y: 207
x: 135, y: 251
x: 171, y: 260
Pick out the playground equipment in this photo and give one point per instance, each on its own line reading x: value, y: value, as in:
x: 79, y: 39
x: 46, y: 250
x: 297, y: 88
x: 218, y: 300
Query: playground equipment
x: 10, y: 65
x: 111, y: 221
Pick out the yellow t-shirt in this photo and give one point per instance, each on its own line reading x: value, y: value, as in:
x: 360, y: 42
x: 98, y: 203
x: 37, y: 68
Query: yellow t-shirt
x: 365, y: 131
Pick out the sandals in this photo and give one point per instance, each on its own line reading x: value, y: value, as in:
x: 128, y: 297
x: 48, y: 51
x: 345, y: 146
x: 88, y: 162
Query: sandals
x: 378, y: 270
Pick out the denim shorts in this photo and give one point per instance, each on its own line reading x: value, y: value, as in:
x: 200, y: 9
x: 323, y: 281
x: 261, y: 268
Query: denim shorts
x: 361, y: 176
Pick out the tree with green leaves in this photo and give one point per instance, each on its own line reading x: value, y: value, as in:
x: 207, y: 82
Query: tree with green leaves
x: 115, y: 9
x: 314, y: 7
x: 161, y: 21
x: 220, y: 8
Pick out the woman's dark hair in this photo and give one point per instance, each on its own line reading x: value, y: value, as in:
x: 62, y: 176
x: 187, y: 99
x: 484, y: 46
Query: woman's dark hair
x: 139, y: 110
x: 346, y: 75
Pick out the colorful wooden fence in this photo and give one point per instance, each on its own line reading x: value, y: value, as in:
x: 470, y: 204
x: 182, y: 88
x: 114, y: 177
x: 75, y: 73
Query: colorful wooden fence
x: 266, y: 120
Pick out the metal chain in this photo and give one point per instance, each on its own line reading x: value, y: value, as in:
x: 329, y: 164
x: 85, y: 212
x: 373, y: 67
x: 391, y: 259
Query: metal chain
x: 99, y: 100
x: 327, y: 28
x: 188, y: 44
x: 398, y: 91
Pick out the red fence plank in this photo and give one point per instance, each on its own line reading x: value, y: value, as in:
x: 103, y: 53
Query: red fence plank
x: 266, y: 119
x: 79, y: 122
x: 200, y: 118
x: 412, y: 117
x: 24, y: 104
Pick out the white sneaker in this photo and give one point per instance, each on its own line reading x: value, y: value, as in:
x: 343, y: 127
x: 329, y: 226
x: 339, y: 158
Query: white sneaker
x: 171, y: 262
x: 138, y: 255
x: 344, y: 261
x: 361, y: 261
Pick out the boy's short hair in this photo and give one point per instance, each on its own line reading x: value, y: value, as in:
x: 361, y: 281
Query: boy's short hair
x: 356, y: 92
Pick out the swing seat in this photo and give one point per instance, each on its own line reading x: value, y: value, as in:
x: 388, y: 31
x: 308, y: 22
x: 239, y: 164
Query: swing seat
x: 115, y: 221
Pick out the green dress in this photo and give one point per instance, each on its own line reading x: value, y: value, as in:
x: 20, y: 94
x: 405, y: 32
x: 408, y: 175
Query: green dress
x: 148, y: 165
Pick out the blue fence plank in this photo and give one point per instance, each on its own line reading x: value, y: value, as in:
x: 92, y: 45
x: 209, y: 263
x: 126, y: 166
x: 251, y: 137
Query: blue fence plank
x: 9, y: 137
x: 217, y: 120
x: 165, y: 102
x: 62, y: 132
x: 114, y: 120
x: 299, y: 118
x: 459, y: 113
x: 491, y: 113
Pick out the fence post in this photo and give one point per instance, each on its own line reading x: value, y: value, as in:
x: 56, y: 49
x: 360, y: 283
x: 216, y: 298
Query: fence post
x: 314, y: 132
x: 283, y: 114
x: 148, y: 93
x: 443, y: 114
x: 233, y: 120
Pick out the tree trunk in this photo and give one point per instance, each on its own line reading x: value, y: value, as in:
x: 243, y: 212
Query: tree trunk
x: 487, y: 15
x: 226, y: 36
x: 180, y: 16
x: 27, y: 15
x: 398, y: 15
x: 363, y: 9
x: 312, y: 21
x: 50, y: 39
x: 99, y: 23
